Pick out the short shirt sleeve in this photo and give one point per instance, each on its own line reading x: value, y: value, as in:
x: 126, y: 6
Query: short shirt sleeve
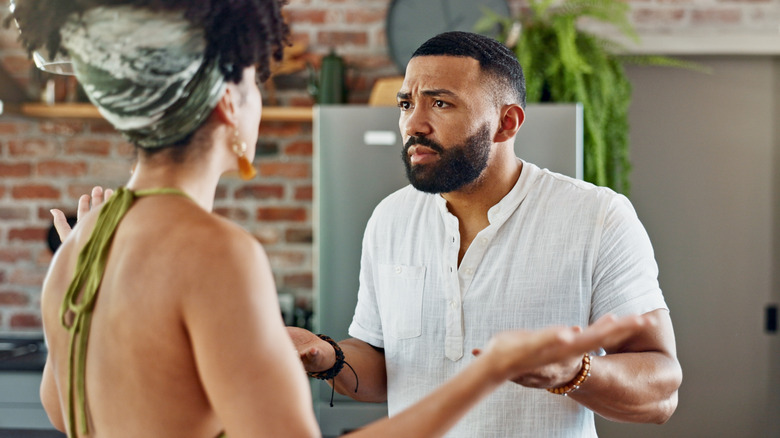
x: 625, y: 278
x: 366, y: 323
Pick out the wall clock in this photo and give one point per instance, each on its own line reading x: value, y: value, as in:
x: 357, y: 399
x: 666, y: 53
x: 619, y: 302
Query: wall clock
x: 411, y: 22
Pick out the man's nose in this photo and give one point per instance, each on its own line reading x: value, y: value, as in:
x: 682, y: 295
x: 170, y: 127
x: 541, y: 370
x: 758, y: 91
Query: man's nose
x: 414, y: 122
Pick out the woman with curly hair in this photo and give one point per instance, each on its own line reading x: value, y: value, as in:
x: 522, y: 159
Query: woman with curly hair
x: 160, y: 317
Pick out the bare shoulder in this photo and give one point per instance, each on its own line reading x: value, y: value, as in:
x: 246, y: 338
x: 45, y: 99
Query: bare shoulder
x: 220, y: 245
x: 212, y: 259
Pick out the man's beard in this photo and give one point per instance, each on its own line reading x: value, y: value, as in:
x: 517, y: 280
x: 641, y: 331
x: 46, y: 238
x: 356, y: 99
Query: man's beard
x: 456, y: 167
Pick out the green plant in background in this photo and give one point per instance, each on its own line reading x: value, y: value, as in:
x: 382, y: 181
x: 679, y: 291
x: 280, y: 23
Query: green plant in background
x: 563, y: 63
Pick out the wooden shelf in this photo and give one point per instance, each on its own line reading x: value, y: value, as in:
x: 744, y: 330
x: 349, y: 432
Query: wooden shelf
x: 88, y: 111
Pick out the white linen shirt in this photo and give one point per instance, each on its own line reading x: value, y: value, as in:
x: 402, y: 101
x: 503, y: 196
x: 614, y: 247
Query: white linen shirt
x: 558, y: 251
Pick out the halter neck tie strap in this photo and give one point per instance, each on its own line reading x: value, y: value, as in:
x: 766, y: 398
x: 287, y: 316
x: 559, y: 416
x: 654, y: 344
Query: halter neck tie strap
x: 80, y: 298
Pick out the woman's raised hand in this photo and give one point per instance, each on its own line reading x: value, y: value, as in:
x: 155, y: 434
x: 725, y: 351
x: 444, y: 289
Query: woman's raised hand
x: 86, y: 203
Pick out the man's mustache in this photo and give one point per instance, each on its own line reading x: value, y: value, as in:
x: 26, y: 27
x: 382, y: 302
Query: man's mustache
x: 423, y: 141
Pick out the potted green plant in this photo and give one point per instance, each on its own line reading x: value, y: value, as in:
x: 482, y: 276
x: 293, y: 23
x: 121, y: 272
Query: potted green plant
x: 564, y: 63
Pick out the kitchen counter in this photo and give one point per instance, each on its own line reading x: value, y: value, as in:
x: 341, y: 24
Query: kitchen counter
x: 21, y: 364
x: 30, y: 433
x: 22, y: 353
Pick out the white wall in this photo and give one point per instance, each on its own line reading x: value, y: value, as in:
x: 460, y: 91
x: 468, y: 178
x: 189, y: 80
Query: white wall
x: 705, y: 153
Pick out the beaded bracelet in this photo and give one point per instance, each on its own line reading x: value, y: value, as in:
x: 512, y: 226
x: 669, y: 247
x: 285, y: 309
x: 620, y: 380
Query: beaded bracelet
x: 577, y: 381
x: 332, y: 372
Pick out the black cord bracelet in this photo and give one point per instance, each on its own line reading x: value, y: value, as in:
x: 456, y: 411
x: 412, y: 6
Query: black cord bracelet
x: 332, y: 372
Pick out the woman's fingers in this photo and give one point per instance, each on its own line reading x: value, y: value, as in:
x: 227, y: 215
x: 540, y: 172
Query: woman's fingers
x: 524, y: 350
x: 94, y: 200
x: 83, y: 207
x: 610, y: 331
x: 61, y: 224
x: 86, y: 203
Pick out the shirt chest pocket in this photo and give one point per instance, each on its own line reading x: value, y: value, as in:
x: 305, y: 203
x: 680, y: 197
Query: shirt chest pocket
x: 401, y: 289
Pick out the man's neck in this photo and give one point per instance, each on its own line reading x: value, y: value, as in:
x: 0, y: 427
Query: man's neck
x: 474, y: 201
x: 471, y: 205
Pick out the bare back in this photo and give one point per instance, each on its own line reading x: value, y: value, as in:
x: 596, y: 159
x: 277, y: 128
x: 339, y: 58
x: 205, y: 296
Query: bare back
x: 187, y: 301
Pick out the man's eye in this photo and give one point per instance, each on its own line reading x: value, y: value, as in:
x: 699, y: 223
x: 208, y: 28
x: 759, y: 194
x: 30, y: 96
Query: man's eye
x: 440, y: 104
x: 404, y: 105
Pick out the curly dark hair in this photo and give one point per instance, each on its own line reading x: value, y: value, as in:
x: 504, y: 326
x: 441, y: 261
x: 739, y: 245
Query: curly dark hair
x: 241, y: 32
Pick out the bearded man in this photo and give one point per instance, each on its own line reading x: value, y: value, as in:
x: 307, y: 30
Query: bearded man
x: 482, y: 241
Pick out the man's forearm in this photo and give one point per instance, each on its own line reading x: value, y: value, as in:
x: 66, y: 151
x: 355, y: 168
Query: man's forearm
x: 632, y: 387
x: 369, y: 365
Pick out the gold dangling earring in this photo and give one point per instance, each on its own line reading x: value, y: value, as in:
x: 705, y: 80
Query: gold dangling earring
x: 246, y: 170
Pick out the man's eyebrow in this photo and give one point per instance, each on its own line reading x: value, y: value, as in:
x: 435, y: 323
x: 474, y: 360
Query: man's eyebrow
x: 429, y: 93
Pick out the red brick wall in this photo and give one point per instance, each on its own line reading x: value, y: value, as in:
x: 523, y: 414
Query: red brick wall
x: 49, y: 163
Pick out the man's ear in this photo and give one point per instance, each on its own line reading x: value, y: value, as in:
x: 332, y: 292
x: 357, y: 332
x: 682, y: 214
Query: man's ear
x: 226, y: 110
x: 512, y: 117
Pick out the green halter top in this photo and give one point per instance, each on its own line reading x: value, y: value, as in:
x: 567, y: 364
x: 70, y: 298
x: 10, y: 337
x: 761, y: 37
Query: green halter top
x: 79, y: 301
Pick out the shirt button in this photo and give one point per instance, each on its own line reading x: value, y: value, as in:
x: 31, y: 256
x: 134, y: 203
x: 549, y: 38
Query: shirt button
x: 469, y: 271
x: 454, y: 304
x: 398, y: 269
x: 484, y: 240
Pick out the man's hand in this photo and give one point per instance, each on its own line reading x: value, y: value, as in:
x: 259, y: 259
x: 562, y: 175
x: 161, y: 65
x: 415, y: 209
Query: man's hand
x: 316, y: 354
x: 86, y: 203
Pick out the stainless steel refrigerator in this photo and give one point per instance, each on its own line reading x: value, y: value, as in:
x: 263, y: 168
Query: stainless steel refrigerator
x: 357, y: 162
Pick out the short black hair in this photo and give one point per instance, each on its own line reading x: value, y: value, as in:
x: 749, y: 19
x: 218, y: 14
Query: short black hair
x: 241, y: 33
x: 494, y: 58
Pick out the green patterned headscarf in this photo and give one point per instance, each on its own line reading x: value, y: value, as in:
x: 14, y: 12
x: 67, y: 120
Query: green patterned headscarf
x: 144, y: 70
